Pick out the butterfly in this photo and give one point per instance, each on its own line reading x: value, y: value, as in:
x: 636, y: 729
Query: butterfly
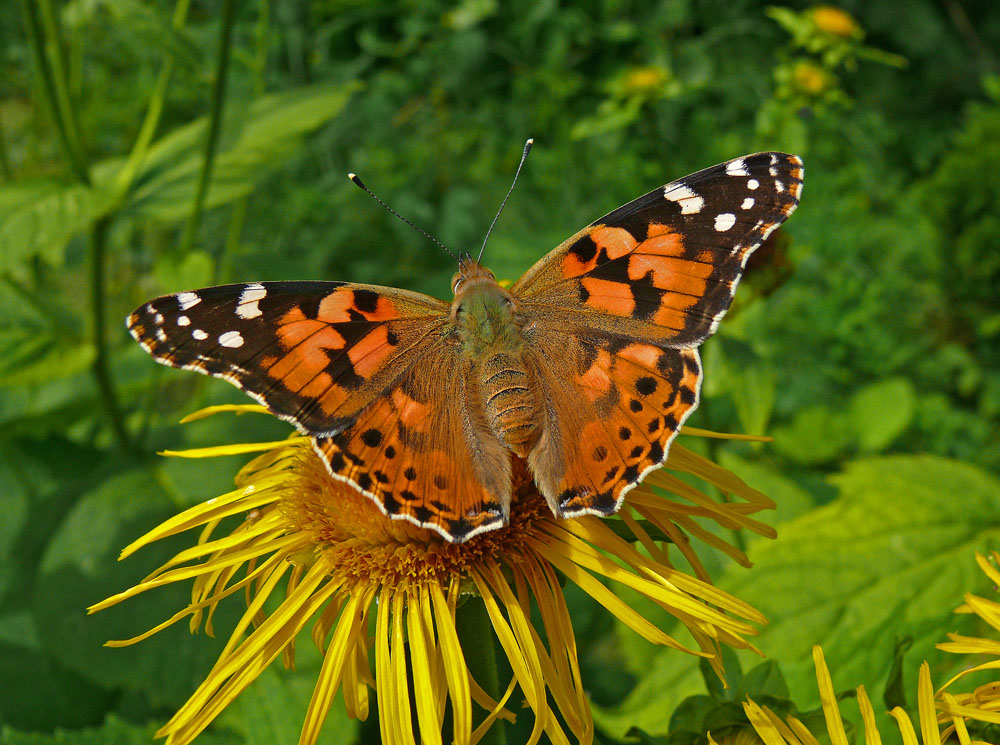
x: 585, y: 368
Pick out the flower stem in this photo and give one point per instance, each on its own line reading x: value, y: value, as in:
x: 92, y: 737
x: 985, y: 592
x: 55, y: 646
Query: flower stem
x: 56, y: 94
x: 97, y: 240
x: 261, y: 35
x: 154, y: 110
x: 5, y: 169
x: 476, y: 635
x: 214, y: 125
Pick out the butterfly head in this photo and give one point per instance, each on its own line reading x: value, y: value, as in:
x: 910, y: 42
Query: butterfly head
x: 483, y: 312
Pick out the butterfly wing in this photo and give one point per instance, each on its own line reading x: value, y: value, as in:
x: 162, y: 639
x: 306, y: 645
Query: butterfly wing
x: 665, y: 266
x: 622, y: 306
x: 366, y: 371
x: 424, y: 455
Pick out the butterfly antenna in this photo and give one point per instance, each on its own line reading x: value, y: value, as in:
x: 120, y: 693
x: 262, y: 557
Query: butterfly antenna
x: 524, y: 157
x: 361, y: 184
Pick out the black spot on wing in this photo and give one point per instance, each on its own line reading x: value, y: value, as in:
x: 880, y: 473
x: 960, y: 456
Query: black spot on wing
x: 584, y: 249
x: 365, y: 300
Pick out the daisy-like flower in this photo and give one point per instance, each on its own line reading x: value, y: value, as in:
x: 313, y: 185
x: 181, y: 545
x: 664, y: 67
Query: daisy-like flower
x: 942, y: 716
x: 983, y: 703
x: 791, y: 731
x: 381, y: 596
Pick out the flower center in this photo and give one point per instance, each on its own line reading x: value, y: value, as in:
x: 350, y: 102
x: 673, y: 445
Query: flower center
x: 364, y: 545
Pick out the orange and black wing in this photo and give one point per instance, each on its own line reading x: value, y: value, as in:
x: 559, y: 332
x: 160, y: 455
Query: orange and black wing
x: 665, y: 266
x: 365, y: 371
x: 614, y: 316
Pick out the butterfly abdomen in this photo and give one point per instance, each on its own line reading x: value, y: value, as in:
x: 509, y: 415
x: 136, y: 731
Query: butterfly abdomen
x: 509, y: 402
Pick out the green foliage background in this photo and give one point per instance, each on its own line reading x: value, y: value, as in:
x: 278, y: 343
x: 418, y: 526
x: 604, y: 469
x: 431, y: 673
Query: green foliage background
x: 866, y: 340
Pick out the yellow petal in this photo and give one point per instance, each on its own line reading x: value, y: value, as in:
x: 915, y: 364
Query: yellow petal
x: 834, y: 724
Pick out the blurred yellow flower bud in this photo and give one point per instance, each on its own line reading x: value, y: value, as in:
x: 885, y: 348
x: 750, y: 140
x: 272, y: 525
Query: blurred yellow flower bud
x: 834, y: 21
x: 644, y: 79
x: 810, y: 78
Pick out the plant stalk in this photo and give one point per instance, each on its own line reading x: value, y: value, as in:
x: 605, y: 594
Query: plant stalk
x: 214, y: 126
x: 97, y: 240
x: 54, y: 90
x: 153, y: 111
x: 5, y: 169
x: 476, y: 635
x: 236, y: 222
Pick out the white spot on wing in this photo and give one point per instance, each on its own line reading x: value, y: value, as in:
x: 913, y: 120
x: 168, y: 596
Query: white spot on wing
x: 183, y: 321
x: 199, y: 335
x: 247, y: 306
x: 747, y: 203
x: 188, y: 300
x: 753, y: 184
x: 689, y: 202
x: 231, y: 339
x: 158, y: 318
x: 779, y: 187
x: 737, y: 168
x: 161, y: 335
x: 773, y: 171
x: 724, y: 221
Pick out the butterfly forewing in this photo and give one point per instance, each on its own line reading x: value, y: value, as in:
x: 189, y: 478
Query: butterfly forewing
x: 313, y: 352
x: 665, y: 266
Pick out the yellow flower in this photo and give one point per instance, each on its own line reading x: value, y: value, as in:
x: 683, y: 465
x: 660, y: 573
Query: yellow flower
x: 983, y: 703
x: 775, y: 731
x: 834, y: 21
x: 741, y: 737
x: 382, y: 595
x: 946, y: 709
x: 810, y: 78
x: 644, y: 79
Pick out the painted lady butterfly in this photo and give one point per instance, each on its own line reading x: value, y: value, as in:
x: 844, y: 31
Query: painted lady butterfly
x: 586, y: 367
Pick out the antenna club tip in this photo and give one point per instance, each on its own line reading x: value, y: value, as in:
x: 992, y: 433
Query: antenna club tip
x: 352, y: 176
x: 531, y: 141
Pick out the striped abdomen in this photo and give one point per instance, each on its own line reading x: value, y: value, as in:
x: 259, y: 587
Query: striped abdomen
x: 509, y: 402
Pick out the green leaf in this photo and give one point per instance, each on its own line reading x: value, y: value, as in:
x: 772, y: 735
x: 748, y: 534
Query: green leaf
x: 891, y: 557
x: 816, y: 435
x: 192, y: 270
x: 38, y: 218
x: 80, y: 567
x: 882, y: 411
x: 114, y: 731
x: 30, y: 704
x: 791, y: 499
x: 148, y: 26
x: 29, y: 356
x: 667, y: 679
x: 763, y: 680
x: 254, y: 138
x: 271, y: 711
x: 753, y: 391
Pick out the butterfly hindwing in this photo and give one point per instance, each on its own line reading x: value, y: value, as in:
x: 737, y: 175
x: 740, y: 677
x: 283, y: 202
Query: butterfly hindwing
x: 420, y: 451
x: 615, y: 406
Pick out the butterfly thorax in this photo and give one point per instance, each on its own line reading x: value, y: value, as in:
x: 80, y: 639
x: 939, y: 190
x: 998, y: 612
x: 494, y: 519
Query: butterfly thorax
x: 489, y: 332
